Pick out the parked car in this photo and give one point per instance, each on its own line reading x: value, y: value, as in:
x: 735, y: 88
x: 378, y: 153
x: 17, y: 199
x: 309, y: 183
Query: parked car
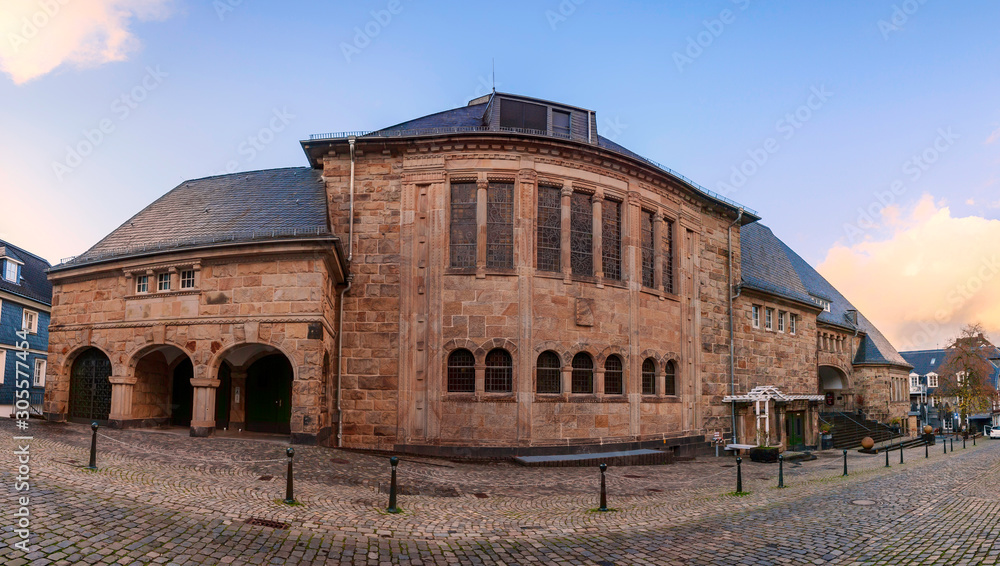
x: 995, y: 432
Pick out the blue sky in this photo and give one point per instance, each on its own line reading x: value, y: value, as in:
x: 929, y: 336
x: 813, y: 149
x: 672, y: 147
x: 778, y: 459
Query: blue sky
x: 707, y: 88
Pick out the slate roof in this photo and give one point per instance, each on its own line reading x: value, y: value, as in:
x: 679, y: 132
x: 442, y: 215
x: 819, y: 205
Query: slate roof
x: 34, y: 284
x: 768, y: 265
x: 925, y: 361
x: 247, y: 206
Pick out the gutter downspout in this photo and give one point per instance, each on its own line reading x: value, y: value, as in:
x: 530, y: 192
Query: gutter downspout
x: 729, y: 294
x: 340, y: 317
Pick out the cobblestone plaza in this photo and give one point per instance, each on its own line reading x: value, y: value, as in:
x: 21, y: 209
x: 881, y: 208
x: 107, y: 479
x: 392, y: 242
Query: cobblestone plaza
x: 165, y: 498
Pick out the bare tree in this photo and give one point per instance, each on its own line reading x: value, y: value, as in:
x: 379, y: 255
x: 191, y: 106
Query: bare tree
x: 966, y: 370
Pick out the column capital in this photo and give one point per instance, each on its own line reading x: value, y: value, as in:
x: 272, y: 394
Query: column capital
x: 204, y: 382
x: 567, y: 189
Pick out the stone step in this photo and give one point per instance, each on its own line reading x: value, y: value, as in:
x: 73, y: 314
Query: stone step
x: 641, y: 457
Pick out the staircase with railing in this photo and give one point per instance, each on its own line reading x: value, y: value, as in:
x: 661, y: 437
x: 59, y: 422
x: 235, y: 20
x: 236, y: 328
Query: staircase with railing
x: 850, y: 428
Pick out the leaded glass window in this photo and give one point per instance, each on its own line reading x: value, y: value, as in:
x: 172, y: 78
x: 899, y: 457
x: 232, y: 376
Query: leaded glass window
x: 646, y: 242
x: 668, y: 256
x: 461, y: 372
x: 583, y: 373
x: 499, y: 372
x: 613, y: 376
x: 547, y: 373
x: 581, y: 235
x: 549, y: 228
x: 463, y: 225
x: 500, y: 226
x: 670, y: 379
x: 648, y: 377
x: 611, y: 239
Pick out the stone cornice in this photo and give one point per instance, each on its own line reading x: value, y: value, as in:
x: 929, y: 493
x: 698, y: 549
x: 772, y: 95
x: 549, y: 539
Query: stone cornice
x: 191, y: 322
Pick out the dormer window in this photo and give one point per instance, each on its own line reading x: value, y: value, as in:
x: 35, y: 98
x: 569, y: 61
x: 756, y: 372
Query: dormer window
x: 560, y: 123
x: 10, y: 271
x: 523, y: 115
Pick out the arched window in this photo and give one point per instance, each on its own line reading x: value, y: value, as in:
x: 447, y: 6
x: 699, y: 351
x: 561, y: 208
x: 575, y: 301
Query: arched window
x: 547, y: 374
x: 461, y: 372
x: 613, y: 376
x: 648, y: 377
x: 669, y: 378
x: 499, y: 372
x: 583, y: 373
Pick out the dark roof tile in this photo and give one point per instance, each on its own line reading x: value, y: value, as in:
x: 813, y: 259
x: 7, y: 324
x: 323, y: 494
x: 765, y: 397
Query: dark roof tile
x: 34, y: 283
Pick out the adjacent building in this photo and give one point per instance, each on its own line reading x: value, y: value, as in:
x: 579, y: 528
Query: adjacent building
x: 25, y: 304
x: 490, y: 279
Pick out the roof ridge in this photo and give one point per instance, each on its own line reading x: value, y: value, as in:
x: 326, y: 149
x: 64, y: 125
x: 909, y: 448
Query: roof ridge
x: 26, y: 252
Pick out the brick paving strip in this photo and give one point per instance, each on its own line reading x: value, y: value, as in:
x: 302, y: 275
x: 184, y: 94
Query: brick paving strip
x: 164, y: 498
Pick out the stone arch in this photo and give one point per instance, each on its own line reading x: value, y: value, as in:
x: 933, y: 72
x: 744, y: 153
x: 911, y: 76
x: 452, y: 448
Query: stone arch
x: 504, y: 343
x: 564, y: 356
x: 461, y: 343
x: 67, y: 365
x: 224, y: 352
x: 581, y: 347
x: 833, y: 377
x: 89, y: 384
x: 157, y: 379
x: 651, y: 354
x: 621, y: 352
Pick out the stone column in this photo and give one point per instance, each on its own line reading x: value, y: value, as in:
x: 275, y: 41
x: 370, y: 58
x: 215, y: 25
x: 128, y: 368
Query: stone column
x: 203, y: 412
x: 481, y: 186
x: 121, y: 400
x: 480, y: 379
x: 567, y: 381
x: 565, y: 229
x: 597, y: 201
x: 238, y: 399
x: 599, y: 382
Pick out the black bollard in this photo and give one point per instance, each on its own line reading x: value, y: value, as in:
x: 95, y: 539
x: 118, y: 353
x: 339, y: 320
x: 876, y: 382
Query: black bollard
x: 944, y: 445
x: 289, y: 497
x: 845, y: 461
x: 392, y: 486
x: 887, y: 457
x: 973, y: 440
x: 900, y: 452
x: 963, y: 443
x: 739, y: 475
x: 781, y: 471
x: 926, y: 450
x: 604, y: 490
x: 93, y: 447
x: 952, y: 444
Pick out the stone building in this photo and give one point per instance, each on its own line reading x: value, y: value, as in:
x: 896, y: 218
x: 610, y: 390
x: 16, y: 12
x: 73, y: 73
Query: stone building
x: 508, y: 280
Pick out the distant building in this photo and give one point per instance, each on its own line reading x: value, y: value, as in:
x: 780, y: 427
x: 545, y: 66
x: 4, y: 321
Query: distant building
x: 25, y: 304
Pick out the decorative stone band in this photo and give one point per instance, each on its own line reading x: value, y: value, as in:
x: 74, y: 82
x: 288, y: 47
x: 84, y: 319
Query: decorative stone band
x: 193, y: 321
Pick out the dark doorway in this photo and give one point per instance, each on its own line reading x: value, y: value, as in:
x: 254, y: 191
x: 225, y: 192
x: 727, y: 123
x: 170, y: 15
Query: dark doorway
x: 222, y: 397
x: 182, y: 394
x: 269, y: 395
x: 90, y: 389
x: 795, y: 430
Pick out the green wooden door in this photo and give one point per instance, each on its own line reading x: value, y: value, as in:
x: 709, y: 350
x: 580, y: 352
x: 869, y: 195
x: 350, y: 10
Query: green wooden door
x: 795, y: 430
x: 269, y: 395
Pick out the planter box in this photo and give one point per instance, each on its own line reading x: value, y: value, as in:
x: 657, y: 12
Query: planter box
x: 767, y: 455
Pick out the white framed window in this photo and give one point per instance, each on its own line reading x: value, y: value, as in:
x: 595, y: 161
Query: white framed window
x: 162, y: 281
x: 960, y: 377
x: 10, y: 271
x: 792, y: 319
x: 781, y: 321
x: 3, y: 365
x: 142, y: 284
x: 29, y: 321
x: 768, y: 318
x: 914, y: 381
x: 187, y: 279
x: 39, y: 373
x: 932, y: 380
x: 755, y: 315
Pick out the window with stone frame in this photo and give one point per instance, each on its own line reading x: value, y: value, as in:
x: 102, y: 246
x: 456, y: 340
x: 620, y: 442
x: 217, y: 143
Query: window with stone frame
x: 500, y: 225
x: 548, y: 374
x: 142, y: 284
x: 462, y: 243
x: 499, y: 372
x: 187, y: 279
x: 648, y: 377
x: 611, y: 239
x: 613, y: 376
x: 792, y: 322
x: 670, y: 378
x: 768, y: 318
x: 647, y: 246
x: 581, y: 220
x: 549, y: 242
x: 583, y: 373
x: 461, y: 372
x: 781, y: 321
x: 668, y: 256
x: 162, y: 281
x: 755, y: 315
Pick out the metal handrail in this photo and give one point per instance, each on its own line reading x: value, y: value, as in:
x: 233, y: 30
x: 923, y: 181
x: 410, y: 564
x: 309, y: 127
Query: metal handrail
x: 413, y: 132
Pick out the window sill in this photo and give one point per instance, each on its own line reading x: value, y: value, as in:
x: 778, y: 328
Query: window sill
x: 463, y: 397
x: 659, y: 399
x: 163, y: 294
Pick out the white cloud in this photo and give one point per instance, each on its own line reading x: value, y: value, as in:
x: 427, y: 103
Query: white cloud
x: 933, y: 275
x: 993, y: 137
x: 39, y: 36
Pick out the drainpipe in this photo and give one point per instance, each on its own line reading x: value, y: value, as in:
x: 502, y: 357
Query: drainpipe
x: 729, y: 294
x: 340, y: 317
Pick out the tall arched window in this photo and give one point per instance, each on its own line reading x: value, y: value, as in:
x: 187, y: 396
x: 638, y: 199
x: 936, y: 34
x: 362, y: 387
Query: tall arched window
x: 547, y: 374
x: 499, y: 372
x: 461, y: 372
x: 583, y: 373
x: 669, y: 378
x: 613, y: 376
x: 648, y: 377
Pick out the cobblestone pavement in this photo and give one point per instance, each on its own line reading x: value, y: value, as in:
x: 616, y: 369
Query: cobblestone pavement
x: 164, y: 498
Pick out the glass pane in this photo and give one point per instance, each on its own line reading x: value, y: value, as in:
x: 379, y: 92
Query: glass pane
x: 611, y: 239
x: 581, y: 235
x: 535, y: 117
x: 669, y: 381
x: 668, y: 256
x: 549, y: 229
x: 463, y: 225
x: 500, y: 225
x: 613, y: 376
x: 461, y: 372
x: 499, y: 372
x: 547, y: 373
x: 648, y: 377
x: 647, y: 248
